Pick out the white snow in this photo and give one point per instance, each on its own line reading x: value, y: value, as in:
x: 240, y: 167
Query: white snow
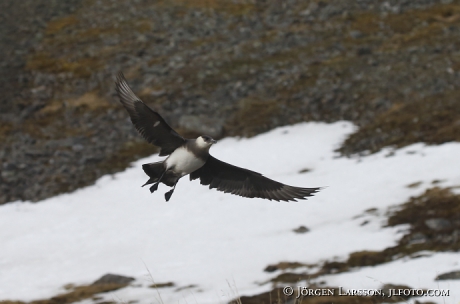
x: 219, y: 242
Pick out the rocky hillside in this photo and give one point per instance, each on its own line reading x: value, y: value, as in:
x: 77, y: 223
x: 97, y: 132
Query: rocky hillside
x: 222, y: 67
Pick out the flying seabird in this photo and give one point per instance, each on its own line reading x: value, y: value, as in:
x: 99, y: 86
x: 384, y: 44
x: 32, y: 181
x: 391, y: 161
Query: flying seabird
x: 191, y: 156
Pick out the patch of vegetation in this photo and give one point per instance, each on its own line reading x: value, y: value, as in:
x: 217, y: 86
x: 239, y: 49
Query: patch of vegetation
x: 228, y: 6
x: 413, y: 27
x: 274, y: 296
x: 434, y: 221
x: 414, y: 185
x: 433, y: 120
x: 51, y: 125
x: 79, y: 67
x: 290, y: 277
x: 78, y: 293
x: 317, y: 294
x: 422, y: 25
x: 57, y: 25
x: 119, y: 160
x: 434, y: 226
x: 131, y: 149
x: 110, y: 164
x: 162, y: 285
x: 253, y: 117
x: 48, y: 122
x: 5, y: 128
x: 284, y: 266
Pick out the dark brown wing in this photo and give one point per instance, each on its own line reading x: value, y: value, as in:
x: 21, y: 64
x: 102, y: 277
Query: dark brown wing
x: 243, y: 182
x: 149, y: 123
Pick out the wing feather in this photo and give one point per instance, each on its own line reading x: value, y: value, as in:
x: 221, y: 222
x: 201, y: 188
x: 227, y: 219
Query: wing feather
x: 148, y: 123
x: 243, y: 182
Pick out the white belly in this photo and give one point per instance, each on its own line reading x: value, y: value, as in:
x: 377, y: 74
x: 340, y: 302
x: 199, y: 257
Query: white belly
x: 183, y: 162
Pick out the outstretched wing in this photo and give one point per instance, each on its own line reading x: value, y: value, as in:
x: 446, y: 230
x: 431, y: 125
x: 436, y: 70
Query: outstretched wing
x: 149, y: 123
x: 243, y: 182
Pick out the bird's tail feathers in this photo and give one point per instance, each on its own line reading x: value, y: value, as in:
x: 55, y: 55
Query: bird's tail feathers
x: 154, y: 171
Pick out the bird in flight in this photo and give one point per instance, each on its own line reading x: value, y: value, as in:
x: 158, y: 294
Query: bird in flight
x: 191, y: 156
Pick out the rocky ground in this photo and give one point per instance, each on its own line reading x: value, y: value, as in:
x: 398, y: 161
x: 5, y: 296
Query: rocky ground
x: 433, y: 224
x: 220, y: 67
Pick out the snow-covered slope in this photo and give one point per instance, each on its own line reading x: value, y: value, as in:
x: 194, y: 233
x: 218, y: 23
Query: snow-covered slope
x: 219, y: 242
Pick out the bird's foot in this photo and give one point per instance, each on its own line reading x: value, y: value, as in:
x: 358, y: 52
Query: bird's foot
x: 154, y: 188
x: 168, y: 194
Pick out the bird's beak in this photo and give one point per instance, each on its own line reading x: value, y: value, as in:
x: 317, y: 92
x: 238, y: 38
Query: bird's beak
x: 214, y: 141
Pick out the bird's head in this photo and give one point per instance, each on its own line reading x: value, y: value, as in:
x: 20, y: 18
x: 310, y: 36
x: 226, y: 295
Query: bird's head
x: 205, y: 141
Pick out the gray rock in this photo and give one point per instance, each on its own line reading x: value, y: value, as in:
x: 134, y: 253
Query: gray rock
x: 356, y: 34
x: 202, y: 125
x: 78, y: 147
x: 113, y: 279
x: 417, y: 238
x: 301, y: 229
x: 438, y: 224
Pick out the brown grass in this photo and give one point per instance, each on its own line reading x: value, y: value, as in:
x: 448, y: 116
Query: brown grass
x: 240, y: 7
x: 60, y: 24
x: 80, y: 67
x: 328, y: 295
x: 79, y: 293
x: 434, y: 203
x: 253, y: 117
x: 433, y: 120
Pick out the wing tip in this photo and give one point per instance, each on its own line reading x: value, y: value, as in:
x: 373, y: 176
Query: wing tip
x: 127, y: 96
x: 296, y: 193
x: 120, y: 77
